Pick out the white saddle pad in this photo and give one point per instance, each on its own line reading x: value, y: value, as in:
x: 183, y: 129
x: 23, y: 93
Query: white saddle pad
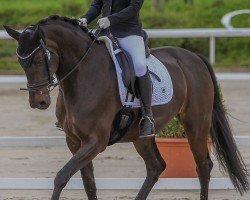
x: 162, y: 91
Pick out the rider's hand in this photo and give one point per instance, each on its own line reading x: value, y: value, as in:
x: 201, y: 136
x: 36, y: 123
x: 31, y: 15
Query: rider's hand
x: 83, y: 22
x: 104, y: 23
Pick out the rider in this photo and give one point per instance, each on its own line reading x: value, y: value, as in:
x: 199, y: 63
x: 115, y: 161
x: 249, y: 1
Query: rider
x: 121, y: 19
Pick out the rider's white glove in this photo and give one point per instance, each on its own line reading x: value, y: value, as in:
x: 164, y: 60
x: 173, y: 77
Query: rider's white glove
x: 83, y: 22
x: 104, y: 23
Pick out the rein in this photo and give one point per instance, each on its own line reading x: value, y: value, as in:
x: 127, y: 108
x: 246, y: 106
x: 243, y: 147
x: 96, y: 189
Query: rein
x: 49, y: 83
x: 80, y: 61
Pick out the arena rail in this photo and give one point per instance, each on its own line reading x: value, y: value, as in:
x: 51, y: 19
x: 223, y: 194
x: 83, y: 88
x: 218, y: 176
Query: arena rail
x: 212, y: 34
x: 37, y: 141
x: 114, y: 184
x: 222, y: 76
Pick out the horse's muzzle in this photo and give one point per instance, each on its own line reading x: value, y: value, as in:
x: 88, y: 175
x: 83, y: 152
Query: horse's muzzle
x: 39, y: 101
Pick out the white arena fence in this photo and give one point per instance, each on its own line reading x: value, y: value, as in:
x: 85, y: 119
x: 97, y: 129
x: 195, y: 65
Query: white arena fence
x: 114, y: 184
x: 221, y: 76
x: 102, y: 183
x: 60, y: 141
x: 212, y: 34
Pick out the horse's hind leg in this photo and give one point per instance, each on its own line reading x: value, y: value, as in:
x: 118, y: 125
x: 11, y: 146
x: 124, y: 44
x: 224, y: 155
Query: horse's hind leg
x: 197, y: 129
x: 154, y: 164
x: 87, y: 172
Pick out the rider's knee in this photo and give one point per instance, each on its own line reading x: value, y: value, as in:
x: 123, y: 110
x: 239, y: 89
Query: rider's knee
x: 140, y: 69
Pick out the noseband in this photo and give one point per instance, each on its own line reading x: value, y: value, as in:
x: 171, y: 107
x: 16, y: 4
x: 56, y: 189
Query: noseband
x: 26, y: 62
x: 49, y: 83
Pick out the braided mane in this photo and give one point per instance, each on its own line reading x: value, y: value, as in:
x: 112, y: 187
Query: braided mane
x: 72, y: 21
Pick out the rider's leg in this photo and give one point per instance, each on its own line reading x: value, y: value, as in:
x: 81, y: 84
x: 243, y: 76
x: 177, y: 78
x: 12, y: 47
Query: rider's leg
x: 134, y: 45
x: 147, y: 128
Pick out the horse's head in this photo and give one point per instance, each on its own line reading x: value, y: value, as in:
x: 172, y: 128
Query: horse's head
x: 39, y: 61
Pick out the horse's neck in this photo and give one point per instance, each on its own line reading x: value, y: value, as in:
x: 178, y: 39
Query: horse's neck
x: 91, y: 80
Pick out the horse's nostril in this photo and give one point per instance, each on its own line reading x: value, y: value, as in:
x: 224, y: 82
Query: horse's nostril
x: 42, y: 103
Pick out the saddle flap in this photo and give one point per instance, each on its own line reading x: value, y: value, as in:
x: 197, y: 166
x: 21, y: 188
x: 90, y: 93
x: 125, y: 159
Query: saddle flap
x: 127, y: 67
x: 125, y: 63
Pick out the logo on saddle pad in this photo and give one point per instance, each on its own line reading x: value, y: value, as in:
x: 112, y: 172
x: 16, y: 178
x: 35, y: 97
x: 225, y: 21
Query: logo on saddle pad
x: 163, y: 90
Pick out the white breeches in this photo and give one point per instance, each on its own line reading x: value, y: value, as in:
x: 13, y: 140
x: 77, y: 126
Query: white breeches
x: 134, y: 45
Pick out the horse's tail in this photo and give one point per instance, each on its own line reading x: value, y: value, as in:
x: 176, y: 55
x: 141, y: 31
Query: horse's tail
x: 227, y: 152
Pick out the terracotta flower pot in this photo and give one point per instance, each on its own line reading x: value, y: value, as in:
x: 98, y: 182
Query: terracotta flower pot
x: 178, y: 156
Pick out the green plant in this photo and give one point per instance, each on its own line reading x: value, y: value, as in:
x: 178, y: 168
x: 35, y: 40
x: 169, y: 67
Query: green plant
x: 173, y: 130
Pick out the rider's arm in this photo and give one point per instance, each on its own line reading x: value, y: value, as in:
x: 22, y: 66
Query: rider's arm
x: 128, y: 12
x: 94, y: 11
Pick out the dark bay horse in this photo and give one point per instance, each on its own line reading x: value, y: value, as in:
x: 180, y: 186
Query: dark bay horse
x: 88, y: 102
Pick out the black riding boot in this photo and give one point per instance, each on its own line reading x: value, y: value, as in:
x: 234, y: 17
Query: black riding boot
x: 146, y: 126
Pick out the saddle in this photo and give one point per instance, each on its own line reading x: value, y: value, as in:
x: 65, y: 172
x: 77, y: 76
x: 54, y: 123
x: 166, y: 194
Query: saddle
x: 126, y: 63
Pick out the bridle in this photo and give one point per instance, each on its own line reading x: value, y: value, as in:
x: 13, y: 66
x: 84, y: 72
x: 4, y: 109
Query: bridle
x: 49, y: 83
x: 26, y: 62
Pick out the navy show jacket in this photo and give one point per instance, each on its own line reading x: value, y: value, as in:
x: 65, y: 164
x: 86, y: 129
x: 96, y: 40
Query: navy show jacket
x: 123, y: 15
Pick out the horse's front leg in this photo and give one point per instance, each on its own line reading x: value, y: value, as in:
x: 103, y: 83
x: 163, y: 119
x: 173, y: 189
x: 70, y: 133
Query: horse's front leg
x: 87, y: 172
x: 81, y: 159
x: 89, y: 181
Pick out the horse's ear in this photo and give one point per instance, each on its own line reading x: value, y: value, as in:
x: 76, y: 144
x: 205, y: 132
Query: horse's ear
x: 12, y: 33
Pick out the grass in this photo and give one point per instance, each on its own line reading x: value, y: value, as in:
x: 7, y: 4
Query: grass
x: 175, y: 14
x: 8, y: 60
x: 241, y: 21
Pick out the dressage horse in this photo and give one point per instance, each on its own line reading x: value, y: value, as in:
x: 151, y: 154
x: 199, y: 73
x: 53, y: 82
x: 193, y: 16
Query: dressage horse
x: 88, y: 102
